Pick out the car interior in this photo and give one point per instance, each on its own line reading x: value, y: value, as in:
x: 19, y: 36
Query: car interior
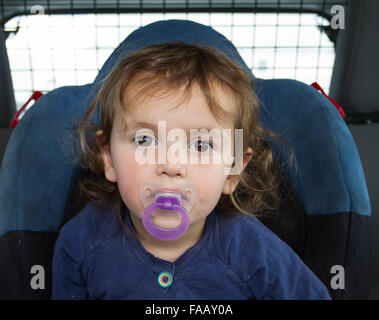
x: 314, y: 64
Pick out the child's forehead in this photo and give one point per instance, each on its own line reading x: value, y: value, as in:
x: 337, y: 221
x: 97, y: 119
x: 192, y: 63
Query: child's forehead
x: 179, y: 103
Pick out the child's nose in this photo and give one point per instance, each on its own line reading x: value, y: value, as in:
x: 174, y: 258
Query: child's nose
x: 171, y: 169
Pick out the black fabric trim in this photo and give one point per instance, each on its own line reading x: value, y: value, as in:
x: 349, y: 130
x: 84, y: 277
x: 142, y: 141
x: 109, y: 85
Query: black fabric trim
x: 288, y: 223
x: 340, y: 239
x: 323, y: 241
x: 19, y: 251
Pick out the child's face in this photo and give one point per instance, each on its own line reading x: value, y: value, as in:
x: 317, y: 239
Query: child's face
x: 209, y: 180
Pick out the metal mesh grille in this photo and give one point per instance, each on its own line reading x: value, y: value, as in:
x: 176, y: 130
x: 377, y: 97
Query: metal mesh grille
x: 50, y: 50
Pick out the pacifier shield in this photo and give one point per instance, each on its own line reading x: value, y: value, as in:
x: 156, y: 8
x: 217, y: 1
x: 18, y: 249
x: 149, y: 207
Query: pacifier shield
x: 163, y: 205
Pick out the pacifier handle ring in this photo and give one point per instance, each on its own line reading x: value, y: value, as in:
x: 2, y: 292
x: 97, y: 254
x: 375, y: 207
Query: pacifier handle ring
x: 165, y: 234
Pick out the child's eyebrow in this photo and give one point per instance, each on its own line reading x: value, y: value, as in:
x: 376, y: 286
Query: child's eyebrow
x: 142, y: 124
x: 138, y: 125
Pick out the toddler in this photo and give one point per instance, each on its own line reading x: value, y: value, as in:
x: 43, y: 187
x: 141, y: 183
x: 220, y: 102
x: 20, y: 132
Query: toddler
x: 179, y: 169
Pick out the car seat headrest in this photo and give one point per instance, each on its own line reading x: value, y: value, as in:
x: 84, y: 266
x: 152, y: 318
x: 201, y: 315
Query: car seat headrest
x: 35, y: 178
x: 168, y: 31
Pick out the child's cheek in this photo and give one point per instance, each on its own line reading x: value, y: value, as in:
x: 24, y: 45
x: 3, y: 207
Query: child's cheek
x: 131, y: 177
x: 200, y: 178
x: 212, y: 179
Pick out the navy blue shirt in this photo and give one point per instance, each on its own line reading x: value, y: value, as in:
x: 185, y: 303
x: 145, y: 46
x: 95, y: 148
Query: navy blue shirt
x: 237, y: 257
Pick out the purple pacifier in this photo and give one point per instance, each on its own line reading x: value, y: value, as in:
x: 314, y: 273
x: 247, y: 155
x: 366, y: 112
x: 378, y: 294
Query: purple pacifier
x: 154, y: 197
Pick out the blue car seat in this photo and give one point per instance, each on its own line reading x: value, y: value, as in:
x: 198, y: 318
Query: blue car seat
x: 327, y: 224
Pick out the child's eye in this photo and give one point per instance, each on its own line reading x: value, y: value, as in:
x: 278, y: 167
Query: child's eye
x: 201, y: 145
x: 144, y: 140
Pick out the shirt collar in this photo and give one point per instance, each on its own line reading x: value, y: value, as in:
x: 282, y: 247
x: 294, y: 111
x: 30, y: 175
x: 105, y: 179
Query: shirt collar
x: 158, y: 265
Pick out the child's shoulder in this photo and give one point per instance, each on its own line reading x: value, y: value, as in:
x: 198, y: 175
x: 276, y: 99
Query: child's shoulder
x: 247, y: 244
x: 264, y: 262
x: 245, y: 227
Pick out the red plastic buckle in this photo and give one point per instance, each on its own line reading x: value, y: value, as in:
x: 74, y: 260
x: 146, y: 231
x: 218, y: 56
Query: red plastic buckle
x: 35, y: 96
x: 339, y: 108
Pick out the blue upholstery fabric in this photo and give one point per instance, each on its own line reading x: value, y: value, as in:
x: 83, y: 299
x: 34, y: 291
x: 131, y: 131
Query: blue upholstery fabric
x: 329, y: 178
x: 35, y: 179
